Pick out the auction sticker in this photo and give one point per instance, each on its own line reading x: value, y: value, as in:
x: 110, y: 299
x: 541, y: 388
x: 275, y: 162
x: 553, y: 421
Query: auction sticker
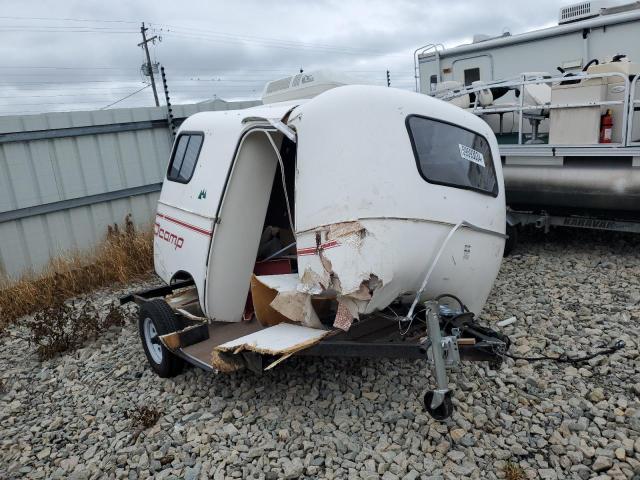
x: 472, y: 155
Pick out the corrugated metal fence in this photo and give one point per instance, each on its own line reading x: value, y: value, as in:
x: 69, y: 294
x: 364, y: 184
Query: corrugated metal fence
x: 64, y: 177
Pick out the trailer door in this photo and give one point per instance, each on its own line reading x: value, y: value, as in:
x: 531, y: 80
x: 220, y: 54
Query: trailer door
x: 468, y: 70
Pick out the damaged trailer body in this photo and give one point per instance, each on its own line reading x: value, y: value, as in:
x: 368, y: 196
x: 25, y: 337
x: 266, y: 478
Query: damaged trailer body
x: 292, y: 225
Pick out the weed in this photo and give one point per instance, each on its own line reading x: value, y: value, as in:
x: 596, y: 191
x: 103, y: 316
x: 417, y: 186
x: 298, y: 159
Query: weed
x: 513, y: 471
x: 66, y: 327
x: 124, y: 255
x: 114, y: 318
x: 142, y: 417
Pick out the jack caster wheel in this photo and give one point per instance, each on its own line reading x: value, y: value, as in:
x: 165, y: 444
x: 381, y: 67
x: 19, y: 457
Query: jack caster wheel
x: 443, y: 411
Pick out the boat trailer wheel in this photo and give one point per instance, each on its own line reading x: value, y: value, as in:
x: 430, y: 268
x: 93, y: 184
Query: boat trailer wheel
x: 442, y: 411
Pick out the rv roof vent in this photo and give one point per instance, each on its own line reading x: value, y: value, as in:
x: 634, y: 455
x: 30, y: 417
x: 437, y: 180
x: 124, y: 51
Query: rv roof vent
x: 582, y: 10
x: 278, y: 85
x: 481, y: 37
x: 302, y: 85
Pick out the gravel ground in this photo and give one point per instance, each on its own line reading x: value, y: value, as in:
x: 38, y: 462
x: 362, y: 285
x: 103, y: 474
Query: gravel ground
x: 320, y: 418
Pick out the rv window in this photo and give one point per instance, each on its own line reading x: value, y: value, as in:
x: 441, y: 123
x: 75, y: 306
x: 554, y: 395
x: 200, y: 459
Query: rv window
x: 453, y: 156
x: 185, y: 156
x: 471, y: 75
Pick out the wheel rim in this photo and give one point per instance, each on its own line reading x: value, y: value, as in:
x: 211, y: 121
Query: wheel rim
x: 152, y: 340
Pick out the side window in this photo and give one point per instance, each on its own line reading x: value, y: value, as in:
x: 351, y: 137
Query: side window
x: 471, y: 75
x: 453, y: 156
x: 185, y: 156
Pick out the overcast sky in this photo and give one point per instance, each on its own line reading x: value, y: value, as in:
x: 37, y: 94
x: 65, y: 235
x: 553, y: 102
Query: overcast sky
x: 81, y: 54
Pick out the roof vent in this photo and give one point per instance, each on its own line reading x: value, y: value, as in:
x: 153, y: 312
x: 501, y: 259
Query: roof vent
x: 303, y: 85
x: 481, y: 37
x: 583, y: 10
x: 278, y: 85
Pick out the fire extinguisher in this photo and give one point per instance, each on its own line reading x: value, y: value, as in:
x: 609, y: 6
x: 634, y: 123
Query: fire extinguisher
x: 606, y: 127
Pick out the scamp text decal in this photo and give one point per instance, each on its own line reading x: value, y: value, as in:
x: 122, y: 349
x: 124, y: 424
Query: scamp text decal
x: 167, y: 236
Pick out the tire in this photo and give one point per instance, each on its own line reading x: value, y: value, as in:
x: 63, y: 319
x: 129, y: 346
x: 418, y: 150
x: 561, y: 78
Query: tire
x: 157, y: 318
x: 441, y: 412
x: 512, y: 239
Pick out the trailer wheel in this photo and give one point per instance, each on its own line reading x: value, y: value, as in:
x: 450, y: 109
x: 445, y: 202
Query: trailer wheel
x: 157, y: 318
x: 441, y: 412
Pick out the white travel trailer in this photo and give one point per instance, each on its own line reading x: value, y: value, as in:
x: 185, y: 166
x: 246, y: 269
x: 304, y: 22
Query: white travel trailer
x: 591, y: 31
x: 570, y: 144
x: 322, y: 226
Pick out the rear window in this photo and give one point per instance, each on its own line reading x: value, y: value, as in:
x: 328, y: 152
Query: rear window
x: 453, y: 156
x: 185, y: 156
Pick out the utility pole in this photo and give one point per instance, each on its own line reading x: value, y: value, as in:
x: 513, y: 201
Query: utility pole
x: 145, y: 41
x: 388, y: 79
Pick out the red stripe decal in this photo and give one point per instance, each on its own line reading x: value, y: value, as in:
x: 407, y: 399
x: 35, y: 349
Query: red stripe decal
x: 314, y: 250
x: 186, y: 225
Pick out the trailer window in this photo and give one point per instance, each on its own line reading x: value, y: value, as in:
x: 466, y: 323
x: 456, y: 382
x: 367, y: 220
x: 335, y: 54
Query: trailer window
x: 185, y: 156
x: 471, y: 75
x: 433, y: 82
x: 453, y: 156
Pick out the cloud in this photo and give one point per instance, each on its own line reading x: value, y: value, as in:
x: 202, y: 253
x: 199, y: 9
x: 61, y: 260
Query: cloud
x: 83, y: 55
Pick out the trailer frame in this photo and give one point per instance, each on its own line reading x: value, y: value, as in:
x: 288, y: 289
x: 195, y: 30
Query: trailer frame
x: 375, y: 337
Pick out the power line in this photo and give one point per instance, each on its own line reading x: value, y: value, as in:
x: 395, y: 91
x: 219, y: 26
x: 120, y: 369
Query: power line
x: 253, y: 38
x: 68, y: 19
x: 73, y: 102
x: 284, y: 69
x: 61, y: 27
x: 55, y: 88
x: 58, y: 74
x: 42, y: 30
x: 61, y: 82
x: 124, y: 98
x: 51, y: 96
x: 177, y: 30
x: 128, y: 77
x: 63, y: 68
x: 240, y: 40
x: 185, y: 32
x: 82, y: 82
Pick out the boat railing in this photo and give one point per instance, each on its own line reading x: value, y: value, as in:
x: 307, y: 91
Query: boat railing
x: 519, y: 84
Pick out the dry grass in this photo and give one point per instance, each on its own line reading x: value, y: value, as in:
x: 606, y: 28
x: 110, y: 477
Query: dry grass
x: 124, y: 255
x: 142, y: 417
x: 66, y: 327
x: 513, y: 471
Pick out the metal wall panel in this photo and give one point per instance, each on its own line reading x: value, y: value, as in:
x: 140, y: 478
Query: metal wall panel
x: 77, y: 164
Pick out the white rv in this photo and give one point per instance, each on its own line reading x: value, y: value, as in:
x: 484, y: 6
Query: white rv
x: 309, y: 224
x: 564, y: 103
x: 585, y: 31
